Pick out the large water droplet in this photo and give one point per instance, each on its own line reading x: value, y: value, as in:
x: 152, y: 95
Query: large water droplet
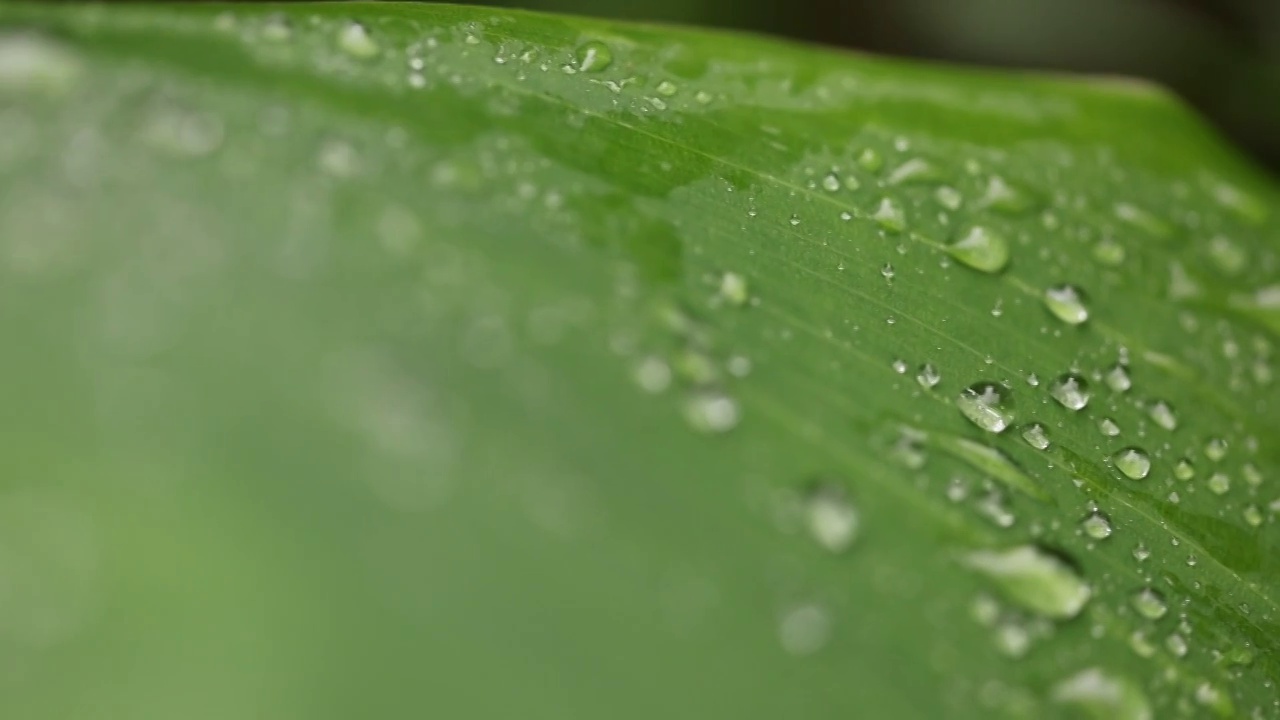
x: 987, y: 405
x: 981, y: 249
x: 1067, y: 303
x: 1096, y: 526
x: 1133, y: 462
x: 1162, y: 414
x: 355, y: 41
x: 1071, y: 391
x: 1103, y: 696
x: 593, y: 56
x: 1149, y: 603
x: 831, y: 516
x: 1037, y: 580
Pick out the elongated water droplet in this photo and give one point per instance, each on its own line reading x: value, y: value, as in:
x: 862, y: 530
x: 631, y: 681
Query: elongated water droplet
x: 1149, y: 603
x: 593, y: 56
x: 1103, y: 696
x: 1133, y: 462
x: 1219, y: 483
x: 928, y: 376
x: 1117, y: 378
x: 733, y: 288
x: 915, y: 170
x: 356, y: 42
x: 1067, y: 303
x: 890, y: 215
x: 1096, y: 526
x: 1036, y: 436
x: 831, y: 516
x: 1162, y: 414
x: 981, y: 249
x: 1037, y: 580
x: 1143, y: 220
x: 987, y: 405
x: 1071, y: 391
x: 1108, y: 427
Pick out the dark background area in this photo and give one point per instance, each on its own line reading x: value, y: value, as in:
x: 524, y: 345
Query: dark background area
x: 1221, y: 55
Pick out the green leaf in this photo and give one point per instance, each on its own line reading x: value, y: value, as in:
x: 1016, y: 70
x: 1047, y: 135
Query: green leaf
x: 387, y: 360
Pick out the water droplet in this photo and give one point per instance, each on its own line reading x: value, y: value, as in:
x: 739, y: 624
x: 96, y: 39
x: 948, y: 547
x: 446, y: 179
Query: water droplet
x: 1218, y: 483
x: 1037, y: 580
x: 1162, y: 414
x: 870, y: 160
x: 1067, y: 303
x: 1143, y: 220
x: 695, y: 366
x: 887, y: 271
x: 1133, y: 462
x: 1141, y: 645
x: 31, y: 62
x: 1071, y: 391
x: 1177, y: 645
x: 900, y: 366
x: 1227, y: 255
x: 1215, y: 449
x: 794, y: 220
x: 1109, y: 252
x: 593, y: 56
x: 1252, y: 475
x: 987, y: 405
x: 1140, y: 552
x: 804, y: 629
x: 831, y: 182
x: 1036, y: 436
x: 1033, y: 380
x: 1149, y: 603
x: 1096, y: 526
x: 711, y: 411
x: 981, y: 249
x: 276, y: 28
x: 890, y: 215
x: 1184, y: 470
x: 1252, y: 515
x: 733, y: 288
x: 928, y: 376
x: 949, y: 197
x: 653, y: 374
x: 915, y: 170
x: 1108, y: 427
x: 666, y: 88
x: 356, y: 42
x: 831, y: 516
x: 739, y: 366
x: 1103, y: 696
x: 1118, y: 379
x: 1005, y: 198
x: 992, y: 507
x: 1012, y: 638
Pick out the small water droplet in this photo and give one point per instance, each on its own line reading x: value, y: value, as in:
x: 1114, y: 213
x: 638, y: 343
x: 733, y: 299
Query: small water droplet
x: 354, y: 39
x: 1149, y: 603
x: 710, y: 411
x: 804, y: 629
x: 593, y: 56
x: 949, y: 197
x: 887, y: 271
x: 1227, y: 255
x: 1117, y: 378
x: 666, y: 88
x: 1103, y: 696
x: 1133, y: 462
x: 794, y: 220
x: 1036, y: 436
x: 1143, y: 220
x: 831, y: 182
x: 653, y: 374
x: 733, y: 288
x: 831, y: 517
x: 1184, y: 470
x: 1141, y: 645
x: 1252, y: 515
x: 1067, y: 303
x: 981, y: 249
x: 928, y: 376
x: 276, y: 28
x: 1141, y: 552
x: 1218, y: 483
x: 1071, y: 391
x: 987, y: 405
x: 1033, y: 380
x: 1215, y: 449
x: 870, y: 160
x: 916, y: 170
x: 1096, y: 526
x: 900, y: 366
x: 890, y: 215
x: 1109, y: 252
x: 1252, y: 474
x: 1006, y: 198
x: 1177, y: 645
x: 1108, y: 427
x: 1037, y: 580
x: 739, y: 366
x: 1162, y: 414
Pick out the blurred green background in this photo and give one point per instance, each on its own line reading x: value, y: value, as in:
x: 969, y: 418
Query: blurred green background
x: 1221, y: 55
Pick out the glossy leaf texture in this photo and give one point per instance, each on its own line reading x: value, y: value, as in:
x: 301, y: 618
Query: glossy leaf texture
x: 383, y: 360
